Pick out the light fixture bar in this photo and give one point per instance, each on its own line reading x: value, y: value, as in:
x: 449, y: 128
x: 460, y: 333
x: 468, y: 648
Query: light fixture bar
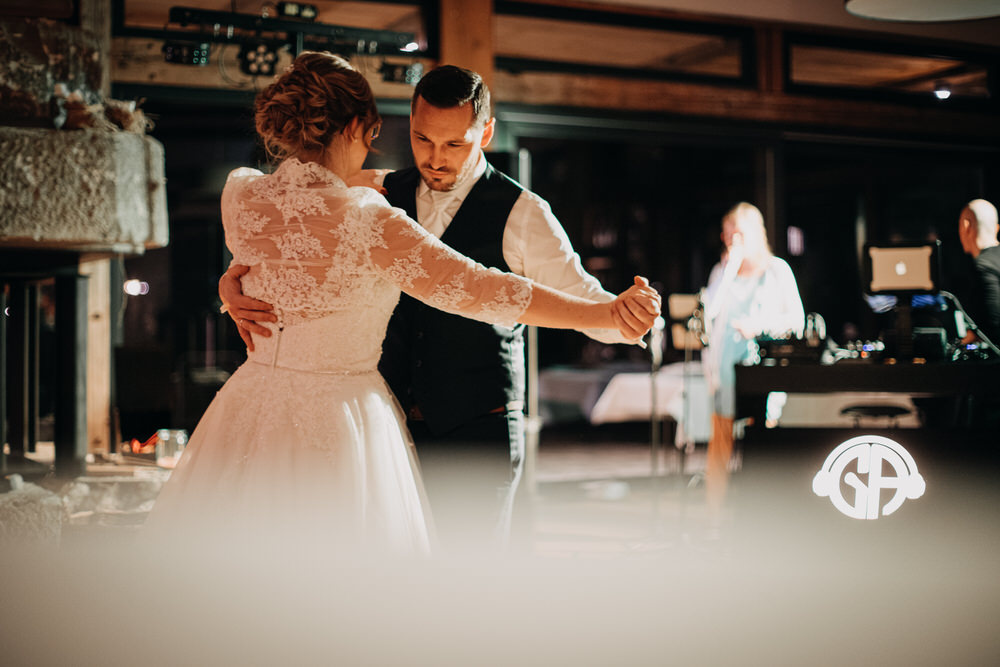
x: 376, y: 41
x: 923, y: 11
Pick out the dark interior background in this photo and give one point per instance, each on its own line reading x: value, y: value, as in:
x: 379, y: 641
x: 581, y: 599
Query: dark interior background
x: 645, y: 201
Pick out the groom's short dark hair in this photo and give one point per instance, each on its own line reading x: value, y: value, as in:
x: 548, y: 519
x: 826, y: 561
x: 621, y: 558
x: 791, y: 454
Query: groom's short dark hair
x: 449, y: 86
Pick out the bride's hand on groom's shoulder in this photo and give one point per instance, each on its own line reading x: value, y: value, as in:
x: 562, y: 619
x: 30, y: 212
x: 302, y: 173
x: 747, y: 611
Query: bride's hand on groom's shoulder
x: 245, y: 311
x: 636, y: 309
x: 369, y: 178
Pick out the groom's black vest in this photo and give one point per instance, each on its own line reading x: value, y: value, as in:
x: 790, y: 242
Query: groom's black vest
x: 452, y: 368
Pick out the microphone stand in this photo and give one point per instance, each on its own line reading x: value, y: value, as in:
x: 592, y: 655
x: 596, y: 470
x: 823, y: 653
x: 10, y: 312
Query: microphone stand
x: 695, y: 331
x: 970, y: 324
x: 656, y: 355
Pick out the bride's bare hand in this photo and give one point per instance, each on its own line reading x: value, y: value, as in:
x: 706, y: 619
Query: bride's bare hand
x: 245, y: 311
x: 636, y: 309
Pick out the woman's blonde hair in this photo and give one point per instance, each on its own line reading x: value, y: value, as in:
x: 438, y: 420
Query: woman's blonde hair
x: 314, y: 100
x: 749, y: 221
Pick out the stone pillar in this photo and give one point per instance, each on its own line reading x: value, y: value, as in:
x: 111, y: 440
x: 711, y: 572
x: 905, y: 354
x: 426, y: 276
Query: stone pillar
x: 87, y: 194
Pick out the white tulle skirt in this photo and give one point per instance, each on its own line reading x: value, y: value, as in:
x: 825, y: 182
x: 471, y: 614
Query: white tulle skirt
x: 297, y: 459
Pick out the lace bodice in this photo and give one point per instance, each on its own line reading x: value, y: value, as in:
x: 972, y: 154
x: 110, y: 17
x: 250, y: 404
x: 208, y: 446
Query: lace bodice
x: 332, y: 261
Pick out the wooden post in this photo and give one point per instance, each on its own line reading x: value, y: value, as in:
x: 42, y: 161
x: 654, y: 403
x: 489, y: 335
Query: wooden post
x: 32, y: 317
x: 18, y: 365
x: 467, y: 36
x: 71, y: 386
x: 95, y: 17
x: 98, y: 352
x: 770, y: 60
x: 4, y: 364
x: 769, y: 193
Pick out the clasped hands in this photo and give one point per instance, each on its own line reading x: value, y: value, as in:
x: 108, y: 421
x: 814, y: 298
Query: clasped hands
x: 635, y: 310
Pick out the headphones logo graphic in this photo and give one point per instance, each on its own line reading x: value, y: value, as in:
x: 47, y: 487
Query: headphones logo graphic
x: 870, y: 452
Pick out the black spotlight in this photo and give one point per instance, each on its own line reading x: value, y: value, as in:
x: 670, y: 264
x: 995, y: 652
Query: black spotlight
x: 401, y: 73
x: 186, y: 53
x: 257, y: 59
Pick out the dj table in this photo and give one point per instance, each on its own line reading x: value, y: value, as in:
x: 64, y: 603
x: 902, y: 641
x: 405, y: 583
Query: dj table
x: 961, y: 381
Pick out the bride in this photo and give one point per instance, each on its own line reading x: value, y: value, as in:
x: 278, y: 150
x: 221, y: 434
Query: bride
x: 304, y: 444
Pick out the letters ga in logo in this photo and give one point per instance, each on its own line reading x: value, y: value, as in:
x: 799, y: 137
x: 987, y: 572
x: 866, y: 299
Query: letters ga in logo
x: 869, y: 452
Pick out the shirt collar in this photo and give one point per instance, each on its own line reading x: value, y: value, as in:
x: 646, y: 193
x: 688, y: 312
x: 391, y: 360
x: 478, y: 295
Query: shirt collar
x: 461, y: 189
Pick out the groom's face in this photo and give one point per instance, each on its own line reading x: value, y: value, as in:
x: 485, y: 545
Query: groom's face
x: 446, y: 143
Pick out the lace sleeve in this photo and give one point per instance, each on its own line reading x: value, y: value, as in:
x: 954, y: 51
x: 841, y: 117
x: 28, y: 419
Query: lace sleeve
x: 428, y: 270
x: 240, y: 220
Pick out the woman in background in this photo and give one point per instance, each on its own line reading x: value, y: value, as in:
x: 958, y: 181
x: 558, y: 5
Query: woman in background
x: 750, y: 293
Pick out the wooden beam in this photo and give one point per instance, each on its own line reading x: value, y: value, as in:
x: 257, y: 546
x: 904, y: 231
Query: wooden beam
x: 770, y: 60
x: 741, y: 104
x: 467, y: 36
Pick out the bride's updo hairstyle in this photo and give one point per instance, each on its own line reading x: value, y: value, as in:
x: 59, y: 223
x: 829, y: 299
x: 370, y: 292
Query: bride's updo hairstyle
x: 313, y: 101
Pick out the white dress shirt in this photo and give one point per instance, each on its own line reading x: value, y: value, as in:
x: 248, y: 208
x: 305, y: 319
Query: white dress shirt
x: 534, y: 243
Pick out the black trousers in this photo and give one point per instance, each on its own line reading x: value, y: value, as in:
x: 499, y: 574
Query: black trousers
x: 471, y: 475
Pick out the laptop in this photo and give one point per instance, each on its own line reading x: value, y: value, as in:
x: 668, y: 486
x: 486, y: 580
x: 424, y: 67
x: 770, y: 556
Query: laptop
x: 902, y: 268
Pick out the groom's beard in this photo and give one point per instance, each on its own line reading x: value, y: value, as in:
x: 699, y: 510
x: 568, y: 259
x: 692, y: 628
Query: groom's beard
x: 444, y: 179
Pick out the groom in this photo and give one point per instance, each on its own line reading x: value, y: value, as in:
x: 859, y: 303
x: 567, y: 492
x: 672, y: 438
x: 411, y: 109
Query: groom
x: 461, y: 383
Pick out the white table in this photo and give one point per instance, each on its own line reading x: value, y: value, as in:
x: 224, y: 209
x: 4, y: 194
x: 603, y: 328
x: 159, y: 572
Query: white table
x: 624, y: 393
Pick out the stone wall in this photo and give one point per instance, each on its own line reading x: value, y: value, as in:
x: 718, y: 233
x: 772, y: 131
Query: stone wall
x: 87, y: 190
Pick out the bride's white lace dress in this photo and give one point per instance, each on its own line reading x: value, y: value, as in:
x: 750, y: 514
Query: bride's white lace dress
x: 305, y: 441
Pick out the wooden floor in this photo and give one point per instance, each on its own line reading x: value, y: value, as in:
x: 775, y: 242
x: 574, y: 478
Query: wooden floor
x: 624, y: 567
x: 607, y: 492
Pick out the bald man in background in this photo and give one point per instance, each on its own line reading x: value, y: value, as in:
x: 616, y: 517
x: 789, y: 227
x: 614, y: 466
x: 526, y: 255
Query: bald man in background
x: 977, y: 230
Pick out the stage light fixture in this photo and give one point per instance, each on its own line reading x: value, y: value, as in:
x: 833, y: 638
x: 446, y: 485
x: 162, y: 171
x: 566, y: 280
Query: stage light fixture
x: 257, y: 59
x: 297, y: 10
x: 923, y: 11
x: 298, y: 28
x: 186, y: 53
x: 135, y: 287
x: 942, y: 90
x: 404, y: 73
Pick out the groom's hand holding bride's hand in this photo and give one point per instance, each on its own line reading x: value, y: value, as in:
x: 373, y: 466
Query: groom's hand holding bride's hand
x: 244, y: 310
x: 636, y: 309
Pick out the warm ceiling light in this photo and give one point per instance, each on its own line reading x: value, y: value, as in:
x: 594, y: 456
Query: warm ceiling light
x: 923, y: 10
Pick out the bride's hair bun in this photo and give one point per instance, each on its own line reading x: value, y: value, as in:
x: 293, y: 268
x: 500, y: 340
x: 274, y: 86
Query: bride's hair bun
x: 314, y: 100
